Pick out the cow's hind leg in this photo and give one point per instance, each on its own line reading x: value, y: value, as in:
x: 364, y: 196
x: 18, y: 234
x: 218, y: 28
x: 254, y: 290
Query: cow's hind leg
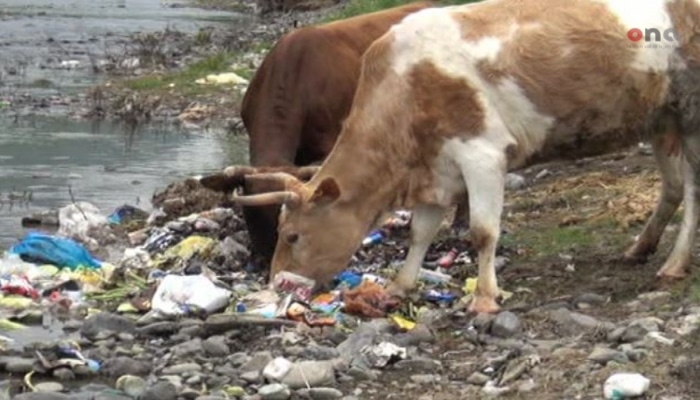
x: 677, y: 263
x: 670, y: 167
x: 424, y: 226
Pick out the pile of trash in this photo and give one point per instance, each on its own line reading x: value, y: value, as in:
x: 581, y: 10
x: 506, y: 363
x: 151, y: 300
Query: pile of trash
x: 173, y: 263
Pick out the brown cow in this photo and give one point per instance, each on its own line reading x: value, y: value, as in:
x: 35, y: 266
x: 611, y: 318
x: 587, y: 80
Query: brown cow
x: 455, y: 97
x: 296, y: 102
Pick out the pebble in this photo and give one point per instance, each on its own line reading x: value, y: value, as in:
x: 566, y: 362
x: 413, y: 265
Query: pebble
x: 189, y: 348
x: 604, y: 355
x: 275, y: 391
x: 505, y: 325
x: 41, y: 396
x: 320, y: 393
x: 48, y: 387
x: 313, y: 373
x: 162, y: 390
x: 477, y: 378
x: 180, y: 369
x: 216, y: 346
x: 118, y: 366
x: 258, y: 362
x: 424, y: 379
x: 18, y: 365
x: 132, y: 385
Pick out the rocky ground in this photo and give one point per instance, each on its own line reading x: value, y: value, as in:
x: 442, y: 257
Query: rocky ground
x: 576, y: 315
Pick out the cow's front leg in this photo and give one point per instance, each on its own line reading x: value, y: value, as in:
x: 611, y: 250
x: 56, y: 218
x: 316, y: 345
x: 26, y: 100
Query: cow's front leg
x: 424, y: 226
x: 484, y: 174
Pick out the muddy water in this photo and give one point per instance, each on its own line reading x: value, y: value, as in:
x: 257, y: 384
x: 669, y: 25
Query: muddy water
x: 104, y: 164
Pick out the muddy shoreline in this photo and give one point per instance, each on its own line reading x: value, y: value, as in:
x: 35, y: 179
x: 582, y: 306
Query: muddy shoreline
x: 131, y: 81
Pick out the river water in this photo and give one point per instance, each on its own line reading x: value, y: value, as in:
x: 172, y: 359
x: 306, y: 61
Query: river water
x: 104, y: 164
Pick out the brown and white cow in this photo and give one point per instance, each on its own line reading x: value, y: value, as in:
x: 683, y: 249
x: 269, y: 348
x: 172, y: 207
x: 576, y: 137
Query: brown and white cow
x: 295, y: 105
x: 455, y: 97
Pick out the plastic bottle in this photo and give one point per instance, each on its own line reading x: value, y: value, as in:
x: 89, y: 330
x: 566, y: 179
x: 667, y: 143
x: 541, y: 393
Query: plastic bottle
x: 449, y: 258
x: 374, y: 237
x: 433, y: 276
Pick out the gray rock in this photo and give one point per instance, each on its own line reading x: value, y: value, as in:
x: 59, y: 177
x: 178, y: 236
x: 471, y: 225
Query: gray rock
x: 639, y: 328
x: 588, y: 300
x: 48, y: 387
x: 478, y: 379
x: 424, y: 379
x: 41, y: 396
x: 315, y: 373
x: 362, y: 374
x: 189, y: 348
x: 574, y: 323
x: 210, y: 398
x: 419, y: 365
x: 316, y: 352
x: 505, y: 325
x: 482, y: 322
x: 107, y: 396
x: 364, y: 335
x: 216, y: 346
x: 63, y: 374
x: 258, y: 362
x: 604, y: 355
x: 132, y: 385
x: 17, y: 365
x: 320, y: 393
x: 252, y: 376
x: 106, y: 322
x: 421, y: 333
x: 275, y: 391
x: 118, y: 366
x: 514, y: 181
x: 239, y: 359
x: 180, y: 369
x: 160, y: 391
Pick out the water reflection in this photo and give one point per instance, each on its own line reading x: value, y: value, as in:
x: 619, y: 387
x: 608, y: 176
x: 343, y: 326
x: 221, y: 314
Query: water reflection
x: 102, y: 163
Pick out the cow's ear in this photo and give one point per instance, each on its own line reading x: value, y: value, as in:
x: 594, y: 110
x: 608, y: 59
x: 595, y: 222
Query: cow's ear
x: 326, y: 192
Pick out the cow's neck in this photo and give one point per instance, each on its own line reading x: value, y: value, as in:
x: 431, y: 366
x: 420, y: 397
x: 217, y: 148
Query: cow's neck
x: 370, y: 179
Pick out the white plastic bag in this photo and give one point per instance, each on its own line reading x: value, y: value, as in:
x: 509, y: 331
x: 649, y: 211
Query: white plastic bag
x: 78, y: 221
x: 624, y: 385
x: 177, y: 294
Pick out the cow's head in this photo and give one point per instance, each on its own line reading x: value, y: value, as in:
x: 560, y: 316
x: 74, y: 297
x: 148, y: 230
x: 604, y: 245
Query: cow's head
x: 261, y: 222
x: 318, y: 230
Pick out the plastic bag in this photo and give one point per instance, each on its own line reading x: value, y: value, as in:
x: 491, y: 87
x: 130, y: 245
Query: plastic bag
x: 78, y: 220
x: 177, y: 295
x: 41, y: 248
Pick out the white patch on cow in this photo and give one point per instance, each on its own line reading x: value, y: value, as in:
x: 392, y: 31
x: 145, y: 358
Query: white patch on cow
x: 652, y: 55
x: 516, y: 114
x: 434, y: 34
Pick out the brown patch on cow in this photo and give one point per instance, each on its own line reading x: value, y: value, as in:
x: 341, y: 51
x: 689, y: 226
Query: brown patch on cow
x: 573, y: 84
x: 685, y: 15
x: 479, y: 237
x: 444, y: 106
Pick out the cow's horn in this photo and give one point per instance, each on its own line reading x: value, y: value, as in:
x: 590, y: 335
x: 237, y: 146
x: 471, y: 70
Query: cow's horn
x: 291, y: 199
x: 239, y: 170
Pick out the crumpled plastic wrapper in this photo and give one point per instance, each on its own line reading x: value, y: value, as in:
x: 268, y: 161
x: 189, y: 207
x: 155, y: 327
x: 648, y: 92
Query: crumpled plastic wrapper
x: 383, y: 354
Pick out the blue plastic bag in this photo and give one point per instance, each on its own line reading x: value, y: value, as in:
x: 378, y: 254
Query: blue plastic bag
x: 41, y: 248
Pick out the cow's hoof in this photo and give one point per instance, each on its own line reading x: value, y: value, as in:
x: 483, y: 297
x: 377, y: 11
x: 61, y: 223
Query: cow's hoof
x: 635, y: 256
x: 484, y: 304
x: 396, y: 290
x: 671, y: 274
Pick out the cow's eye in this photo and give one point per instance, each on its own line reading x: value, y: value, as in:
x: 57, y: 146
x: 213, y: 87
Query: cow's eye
x: 292, y: 238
